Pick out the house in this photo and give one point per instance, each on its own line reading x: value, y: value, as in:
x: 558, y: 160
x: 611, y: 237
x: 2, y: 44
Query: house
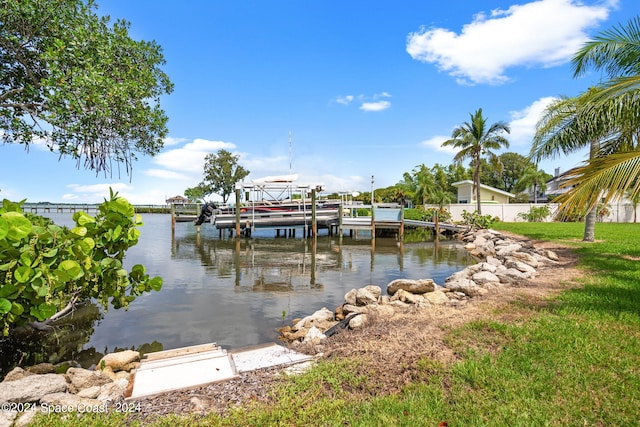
x: 177, y: 200
x: 466, y: 193
x: 557, y: 185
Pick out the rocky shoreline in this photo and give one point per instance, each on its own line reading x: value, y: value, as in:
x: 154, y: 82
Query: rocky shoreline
x: 502, y: 262
x: 39, y: 389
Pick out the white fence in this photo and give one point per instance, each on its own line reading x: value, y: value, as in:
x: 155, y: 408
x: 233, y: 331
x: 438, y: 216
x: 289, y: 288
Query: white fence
x: 618, y: 212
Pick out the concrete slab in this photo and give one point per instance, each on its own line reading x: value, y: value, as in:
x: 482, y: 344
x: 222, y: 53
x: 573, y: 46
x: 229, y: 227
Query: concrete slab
x: 196, y: 366
x: 182, y: 372
x: 265, y: 356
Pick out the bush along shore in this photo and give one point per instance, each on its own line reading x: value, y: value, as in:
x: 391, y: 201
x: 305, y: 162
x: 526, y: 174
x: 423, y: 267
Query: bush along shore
x: 502, y: 262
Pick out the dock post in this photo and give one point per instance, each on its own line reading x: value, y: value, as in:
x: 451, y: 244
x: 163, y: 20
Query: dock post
x: 314, y: 224
x: 401, y: 231
x: 237, y: 212
x: 173, y: 217
x: 373, y: 224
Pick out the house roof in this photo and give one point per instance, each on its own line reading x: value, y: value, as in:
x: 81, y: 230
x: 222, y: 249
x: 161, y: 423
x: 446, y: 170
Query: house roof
x: 486, y: 187
x: 177, y: 198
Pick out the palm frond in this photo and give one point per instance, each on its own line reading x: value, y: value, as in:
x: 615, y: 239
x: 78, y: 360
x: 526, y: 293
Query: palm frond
x: 603, y: 179
x: 616, y: 51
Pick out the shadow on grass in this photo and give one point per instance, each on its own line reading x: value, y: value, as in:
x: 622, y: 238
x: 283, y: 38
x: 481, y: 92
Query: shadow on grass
x: 614, y: 291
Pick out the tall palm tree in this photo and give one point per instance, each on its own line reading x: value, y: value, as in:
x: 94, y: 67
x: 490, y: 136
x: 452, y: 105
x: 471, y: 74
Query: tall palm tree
x: 567, y: 126
x: 475, y: 139
x: 608, y: 117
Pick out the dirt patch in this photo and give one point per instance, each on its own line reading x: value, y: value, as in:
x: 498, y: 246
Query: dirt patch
x: 387, y: 350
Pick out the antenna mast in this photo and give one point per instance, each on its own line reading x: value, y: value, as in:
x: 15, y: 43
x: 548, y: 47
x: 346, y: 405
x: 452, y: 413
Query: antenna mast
x: 290, y: 153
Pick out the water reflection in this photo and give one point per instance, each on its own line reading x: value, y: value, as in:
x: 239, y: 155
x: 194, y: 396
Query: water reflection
x: 234, y: 291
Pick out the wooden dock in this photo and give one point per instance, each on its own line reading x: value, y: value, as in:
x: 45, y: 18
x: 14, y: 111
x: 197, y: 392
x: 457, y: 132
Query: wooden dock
x: 385, y: 219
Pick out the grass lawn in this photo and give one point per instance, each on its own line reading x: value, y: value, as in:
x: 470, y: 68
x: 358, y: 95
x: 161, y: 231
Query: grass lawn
x: 573, y: 361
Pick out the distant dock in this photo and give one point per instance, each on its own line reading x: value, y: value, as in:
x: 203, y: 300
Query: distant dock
x: 385, y: 219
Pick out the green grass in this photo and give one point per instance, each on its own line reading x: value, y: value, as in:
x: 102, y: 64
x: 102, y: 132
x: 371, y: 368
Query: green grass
x: 572, y: 362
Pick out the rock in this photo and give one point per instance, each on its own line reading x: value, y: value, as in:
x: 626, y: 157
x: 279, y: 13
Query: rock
x: 42, y: 368
x: 480, y: 240
x: 350, y: 297
x: 90, y: 393
x: 436, y: 297
x: 414, y: 286
x: 365, y: 296
x: 407, y: 297
x: 505, y: 250
x: 199, y: 406
x: 112, y: 391
x: 458, y: 275
x: 493, y: 261
x: 351, y: 309
x: 358, y: 321
x: 489, y: 267
x: 483, y: 277
x: 400, y: 305
x: 511, y: 276
x: 381, y: 310
x: 7, y: 418
x: 315, y: 335
x: 25, y: 418
x: 521, y: 266
x: 120, y: 360
x: 526, y: 258
x: 549, y: 254
x: 32, y: 388
x: 17, y: 373
x: 322, y: 315
x: 84, y: 378
x: 463, y: 286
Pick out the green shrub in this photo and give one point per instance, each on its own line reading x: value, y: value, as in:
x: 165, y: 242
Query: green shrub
x: 476, y: 220
x: 536, y: 213
x: 45, y: 269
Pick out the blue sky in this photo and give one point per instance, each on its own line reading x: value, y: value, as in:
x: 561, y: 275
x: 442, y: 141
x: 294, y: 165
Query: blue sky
x: 365, y: 88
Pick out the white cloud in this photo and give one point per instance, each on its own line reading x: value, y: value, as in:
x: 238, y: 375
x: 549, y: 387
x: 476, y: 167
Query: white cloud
x: 95, y: 193
x: 168, y: 141
x: 375, y: 106
x: 435, y: 143
x: 345, y: 100
x: 190, y: 157
x: 166, y: 174
x: 367, y: 102
x: 541, y: 33
x: 523, y: 122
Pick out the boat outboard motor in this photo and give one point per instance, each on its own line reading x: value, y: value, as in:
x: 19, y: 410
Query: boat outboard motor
x: 206, y: 212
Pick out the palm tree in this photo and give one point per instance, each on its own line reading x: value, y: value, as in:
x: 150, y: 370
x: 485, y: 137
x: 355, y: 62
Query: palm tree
x: 475, y: 139
x: 606, y: 118
x: 532, y: 176
x: 565, y: 127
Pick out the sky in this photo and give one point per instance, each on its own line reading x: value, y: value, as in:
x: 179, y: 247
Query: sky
x: 334, y: 91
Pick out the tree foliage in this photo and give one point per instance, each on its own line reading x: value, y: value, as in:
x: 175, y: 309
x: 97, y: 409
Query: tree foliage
x: 476, y: 139
x: 195, y: 194
x: 221, y: 173
x: 84, y: 88
x: 45, y: 269
x: 606, y: 117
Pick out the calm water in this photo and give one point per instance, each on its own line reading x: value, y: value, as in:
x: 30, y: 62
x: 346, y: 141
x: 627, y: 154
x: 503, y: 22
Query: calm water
x: 235, y: 292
